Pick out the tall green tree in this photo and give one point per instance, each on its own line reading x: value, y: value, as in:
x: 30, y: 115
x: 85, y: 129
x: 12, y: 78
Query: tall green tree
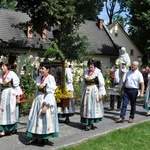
x: 65, y: 14
x: 140, y: 26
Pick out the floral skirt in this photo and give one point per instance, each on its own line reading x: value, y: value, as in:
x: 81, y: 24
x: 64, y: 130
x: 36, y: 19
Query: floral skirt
x: 9, y: 117
x: 91, y: 108
x: 39, y: 125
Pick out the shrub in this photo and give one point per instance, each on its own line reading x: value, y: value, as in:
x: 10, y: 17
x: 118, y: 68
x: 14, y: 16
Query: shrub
x: 27, y: 82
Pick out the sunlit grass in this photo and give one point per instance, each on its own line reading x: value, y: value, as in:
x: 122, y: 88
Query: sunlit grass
x: 136, y: 137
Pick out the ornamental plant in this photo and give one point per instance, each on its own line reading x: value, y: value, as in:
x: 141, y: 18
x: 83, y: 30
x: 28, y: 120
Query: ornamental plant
x: 27, y: 82
x: 62, y: 93
x: 108, y: 78
x: 54, y: 51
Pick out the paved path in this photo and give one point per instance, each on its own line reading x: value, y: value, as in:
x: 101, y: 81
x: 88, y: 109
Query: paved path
x: 73, y: 132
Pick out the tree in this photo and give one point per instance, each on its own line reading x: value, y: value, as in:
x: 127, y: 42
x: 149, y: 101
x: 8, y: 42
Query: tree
x: 115, y: 7
x: 53, y: 11
x: 8, y: 4
x: 122, y: 20
x: 140, y: 26
x: 68, y: 15
x: 73, y: 45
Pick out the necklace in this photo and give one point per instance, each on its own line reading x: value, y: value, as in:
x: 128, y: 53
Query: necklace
x: 43, y: 78
x: 4, y: 76
x: 90, y: 73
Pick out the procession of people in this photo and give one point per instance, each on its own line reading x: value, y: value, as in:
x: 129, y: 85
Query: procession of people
x: 43, y: 119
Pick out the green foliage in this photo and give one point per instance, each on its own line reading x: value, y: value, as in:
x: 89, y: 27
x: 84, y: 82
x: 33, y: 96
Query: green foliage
x: 83, y: 7
x: 133, y: 138
x: 26, y: 81
x: 73, y: 45
x: 53, y: 51
x: 140, y: 26
x: 67, y: 15
x: 8, y: 4
x: 28, y: 84
x: 25, y: 108
x: 122, y: 20
x: 53, y: 12
x: 108, y: 79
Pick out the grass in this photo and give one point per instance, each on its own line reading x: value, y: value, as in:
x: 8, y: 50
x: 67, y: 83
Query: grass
x: 136, y: 137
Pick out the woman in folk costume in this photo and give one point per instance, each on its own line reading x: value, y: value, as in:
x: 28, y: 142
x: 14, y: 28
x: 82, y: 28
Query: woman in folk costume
x: 68, y: 111
x: 9, y: 96
x: 147, y: 95
x: 43, y: 117
x: 91, y: 108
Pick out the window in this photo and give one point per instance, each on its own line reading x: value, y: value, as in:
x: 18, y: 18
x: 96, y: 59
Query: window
x: 116, y: 30
x: 131, y: 52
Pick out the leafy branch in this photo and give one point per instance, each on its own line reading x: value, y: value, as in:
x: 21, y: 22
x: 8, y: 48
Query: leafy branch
x: 54, y: 51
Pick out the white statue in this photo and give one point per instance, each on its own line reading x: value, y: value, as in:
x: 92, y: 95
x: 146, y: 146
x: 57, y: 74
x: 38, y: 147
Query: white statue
x: 123, y: 62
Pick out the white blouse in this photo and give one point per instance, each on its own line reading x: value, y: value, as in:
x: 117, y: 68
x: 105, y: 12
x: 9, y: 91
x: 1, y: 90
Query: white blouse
x: 16, y: 81
x: 96, y: 73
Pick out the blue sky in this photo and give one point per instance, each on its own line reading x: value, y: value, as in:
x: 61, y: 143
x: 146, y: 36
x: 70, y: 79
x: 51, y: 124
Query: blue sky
x: 103, y: 14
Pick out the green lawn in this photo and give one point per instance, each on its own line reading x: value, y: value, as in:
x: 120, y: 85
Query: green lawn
x: 134, y: 138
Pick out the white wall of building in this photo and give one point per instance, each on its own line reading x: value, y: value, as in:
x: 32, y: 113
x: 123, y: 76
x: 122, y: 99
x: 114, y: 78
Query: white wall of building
x: 121, y: 39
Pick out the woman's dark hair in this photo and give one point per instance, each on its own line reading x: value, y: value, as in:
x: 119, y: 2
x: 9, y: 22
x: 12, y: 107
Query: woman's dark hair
x: 45, y: 64
x: 91, y: 62
x: 6, y: 63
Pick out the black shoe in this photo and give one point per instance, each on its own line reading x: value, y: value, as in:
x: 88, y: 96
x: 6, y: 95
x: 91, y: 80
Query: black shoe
x: 14, y: 131
x: 148, y: 114
x: 87, y: 128
x: 67, y: 120
x: 120, y: 120
x: 118, y: 109
x: 44, y: 141
x: 110, y: 109
x: 93, y: 127
x: 32, y: 141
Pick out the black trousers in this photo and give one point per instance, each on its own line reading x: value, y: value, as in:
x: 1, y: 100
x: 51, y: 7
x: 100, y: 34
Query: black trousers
x: 112, y: 101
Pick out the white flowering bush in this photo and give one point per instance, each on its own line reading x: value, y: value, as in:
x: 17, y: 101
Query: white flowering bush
x: 27, y: 81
